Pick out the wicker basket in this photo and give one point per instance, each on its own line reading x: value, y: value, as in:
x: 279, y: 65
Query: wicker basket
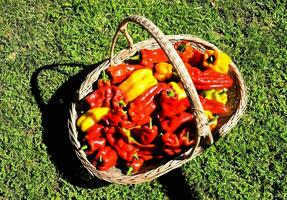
x: 237, y: 102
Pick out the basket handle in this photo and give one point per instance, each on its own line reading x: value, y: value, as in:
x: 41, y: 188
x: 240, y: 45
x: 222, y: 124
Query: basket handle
x: 201, y: 120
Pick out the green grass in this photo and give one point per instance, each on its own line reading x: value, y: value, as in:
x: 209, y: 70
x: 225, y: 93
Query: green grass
x: 250, y: 163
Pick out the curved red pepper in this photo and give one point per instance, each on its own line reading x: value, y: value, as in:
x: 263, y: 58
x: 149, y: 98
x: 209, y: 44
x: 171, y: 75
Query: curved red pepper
x: 135, y: 165
x: 214, y: 106
x: 145, y: 134
x: 208, y: 79
x: 185, y: 137
x: 170, y: 124
x: 105, y: 158
x: 94, y: 132
x: 170, y: 140
x: 142, y: 107
x: 125, y: 151
x: 119, y: 118
x: 122, y: 71
x: 172, y: 151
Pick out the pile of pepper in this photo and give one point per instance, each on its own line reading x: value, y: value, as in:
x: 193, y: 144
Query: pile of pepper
x: 139, y: 111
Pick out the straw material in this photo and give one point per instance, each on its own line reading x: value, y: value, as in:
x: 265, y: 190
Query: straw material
x: 237, y: 101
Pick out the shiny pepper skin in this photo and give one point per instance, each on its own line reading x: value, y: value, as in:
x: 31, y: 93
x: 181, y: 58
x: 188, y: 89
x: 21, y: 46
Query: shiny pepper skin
x: 163, y: 71
x: 216, y: 60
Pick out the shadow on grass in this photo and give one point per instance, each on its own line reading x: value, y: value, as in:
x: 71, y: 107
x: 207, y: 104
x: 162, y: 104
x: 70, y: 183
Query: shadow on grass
x: 55, y: 130
x: 56, y: 136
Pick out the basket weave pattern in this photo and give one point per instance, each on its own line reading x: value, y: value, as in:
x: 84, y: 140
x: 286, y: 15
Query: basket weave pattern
x: 237, y: 101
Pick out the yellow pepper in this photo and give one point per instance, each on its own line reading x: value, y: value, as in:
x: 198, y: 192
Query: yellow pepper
x: 216, y: 60
x: 212, y: 120
x: 91, y: 117
x: 217, y: 95
x: 163, y: 71
x: 137, y: 83
x: 178, y: 89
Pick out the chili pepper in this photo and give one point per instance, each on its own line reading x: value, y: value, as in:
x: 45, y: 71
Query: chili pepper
x: 95, y: 144
x: 94, y: 132
x: 170, y: 151
x: 217, y: 95
x: 185, y: 137
x: 213, y: 106
x: 145, y: 154
x: 135, y: 165
x: 208, y: 79
x: 170, y: 139
x: 138, y: 82
x: 216, y: 60
x: 120, y: 72
x: 100, y: 97
x: 146, y: 134
x: 188, y: 54
x: 149, y: 57
x: 141, y: 109
x: 177, y: 88
x: 111, y: 135
x: 126, y: 151
x: 171, y: 105
x: 91, y: 117
x: 212, y: 120
x: 170, y: 124
x: 163, y: 71
x: 105, y: 158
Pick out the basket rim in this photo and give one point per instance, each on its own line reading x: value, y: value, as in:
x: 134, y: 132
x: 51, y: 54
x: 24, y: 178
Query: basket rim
x: 172, y: 163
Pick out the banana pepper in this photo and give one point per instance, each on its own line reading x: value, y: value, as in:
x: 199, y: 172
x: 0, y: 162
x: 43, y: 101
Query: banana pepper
x: 212, y: 120
x: 217, y: 95
x: 177, y: 88
x: 163, y: 71
x: 91, y: 117
x: 137, y: 83
x: 216, y: 60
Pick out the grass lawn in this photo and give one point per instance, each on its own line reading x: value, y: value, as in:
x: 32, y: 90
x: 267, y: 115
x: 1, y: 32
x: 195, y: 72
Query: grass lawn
x: 47, y: 47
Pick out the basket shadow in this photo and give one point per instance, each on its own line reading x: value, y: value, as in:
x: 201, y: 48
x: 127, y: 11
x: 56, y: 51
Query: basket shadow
x: 177, y: 186
x: 54, y: 117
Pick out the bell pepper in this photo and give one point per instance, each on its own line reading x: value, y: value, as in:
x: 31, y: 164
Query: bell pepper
x: 118, y: 117
x: 212, y: 120
x: 213, y: 106
x: 105, y: 158
x: 163, y: 71
x: 146, y: 134
x: 138, y: 82
x: 141, y: 109
x: 208, y: 79
x: 134, y: 166
x: 120, y: 72
x: 185, y: 137
x: 91, y: 117
x: 170, y: 124
x: 149, y: 57
x: 217, y: 95
x: 188, y: 54
x: 170, y: 139
x: 178, y: 89
x: 95, y: 144
x: 216, y: 60
x: 126, y: 151
x: 171, y: 105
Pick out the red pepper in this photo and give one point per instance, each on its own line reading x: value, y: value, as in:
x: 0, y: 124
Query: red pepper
x: 126, y: 151
x: 135, y: 165
x: 150, y: 57
x: 145, y: 134
x: 208, y: 79
x: 111, y: 135
x: 171, y: 151
x: 170, y: 140
x: 185, y: 137
x: 94, y: 132
x: 214, y: 106
x: 189, y: 54
x: 171, y: 105
x: 170, y: 124
x: 105, y: 158
x: 146, y: 154
x: 122, y: 71
x: 95, y: 144
x: 143, y: 106
x: 118, y: 117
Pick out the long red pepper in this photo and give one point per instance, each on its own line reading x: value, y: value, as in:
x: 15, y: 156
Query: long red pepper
x: 170, y: 124
x: 120, y: 72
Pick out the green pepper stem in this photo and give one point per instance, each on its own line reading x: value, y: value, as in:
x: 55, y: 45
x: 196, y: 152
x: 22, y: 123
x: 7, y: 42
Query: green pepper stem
x: 84, y: 147
x: 130, y: 169
x: 105, y: 77
x: 136, y: 57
